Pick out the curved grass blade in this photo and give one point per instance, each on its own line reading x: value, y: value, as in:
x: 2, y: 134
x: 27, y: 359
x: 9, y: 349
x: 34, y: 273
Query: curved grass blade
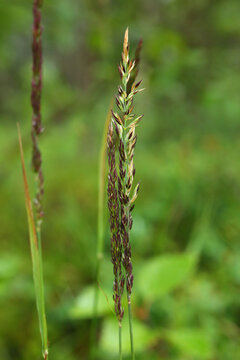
x: 101, y: 189
x: 100, y: 227
x: 35, y: 246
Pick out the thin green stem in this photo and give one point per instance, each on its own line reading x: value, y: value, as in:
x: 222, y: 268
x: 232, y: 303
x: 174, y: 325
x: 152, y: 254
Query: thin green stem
x: 42, y: 299
x: 41, y: 307
x: 120, y: 340
x: 130, y: 326
x: 100, y: 231
x: 95, y: 310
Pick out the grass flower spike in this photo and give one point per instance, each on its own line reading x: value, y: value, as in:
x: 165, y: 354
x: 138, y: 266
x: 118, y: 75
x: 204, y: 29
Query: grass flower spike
x: 37, y: 128
x: 123, y: 125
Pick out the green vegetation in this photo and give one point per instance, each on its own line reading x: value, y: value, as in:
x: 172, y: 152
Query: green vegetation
x: 185, y: 235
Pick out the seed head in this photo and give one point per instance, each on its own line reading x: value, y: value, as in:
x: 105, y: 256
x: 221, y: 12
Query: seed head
x: 121, y: 196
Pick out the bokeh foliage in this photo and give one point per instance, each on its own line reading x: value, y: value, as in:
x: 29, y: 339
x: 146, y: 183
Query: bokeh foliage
x: 186, y: 222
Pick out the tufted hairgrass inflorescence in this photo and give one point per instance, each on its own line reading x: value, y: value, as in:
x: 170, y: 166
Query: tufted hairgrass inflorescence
x: 121, y: 192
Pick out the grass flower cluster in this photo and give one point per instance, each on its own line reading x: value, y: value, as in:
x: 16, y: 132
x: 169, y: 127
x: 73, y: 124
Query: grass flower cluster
x: 122, y: 140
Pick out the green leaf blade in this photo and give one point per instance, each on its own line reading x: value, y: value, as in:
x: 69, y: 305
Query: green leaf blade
x: 35, y: 244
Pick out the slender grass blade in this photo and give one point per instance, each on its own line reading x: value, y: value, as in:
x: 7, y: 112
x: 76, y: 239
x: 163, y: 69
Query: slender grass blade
x: 35, y: 246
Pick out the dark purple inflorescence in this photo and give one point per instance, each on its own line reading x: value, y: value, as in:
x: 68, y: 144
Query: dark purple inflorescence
x: 36, y: 103
x: 116, y: 246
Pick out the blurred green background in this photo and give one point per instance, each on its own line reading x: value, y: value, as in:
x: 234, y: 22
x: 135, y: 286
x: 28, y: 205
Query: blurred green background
x: 185, y: 238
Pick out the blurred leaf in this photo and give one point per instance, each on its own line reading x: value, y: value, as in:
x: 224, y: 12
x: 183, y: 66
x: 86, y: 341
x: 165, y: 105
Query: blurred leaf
x: 192, y: 342
x: 227, y: 16
x: 206, y: 296
x: 83, y: 305
x: 207, y: 239
x: 163, y: 274
x: 9, y: 265
x: 143, y: 336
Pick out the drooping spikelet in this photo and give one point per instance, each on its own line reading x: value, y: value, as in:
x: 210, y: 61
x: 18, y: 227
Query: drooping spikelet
x: 37, y: 128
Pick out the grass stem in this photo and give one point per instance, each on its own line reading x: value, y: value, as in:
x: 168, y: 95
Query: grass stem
x: 120, y: 340
x: 130, y: 326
